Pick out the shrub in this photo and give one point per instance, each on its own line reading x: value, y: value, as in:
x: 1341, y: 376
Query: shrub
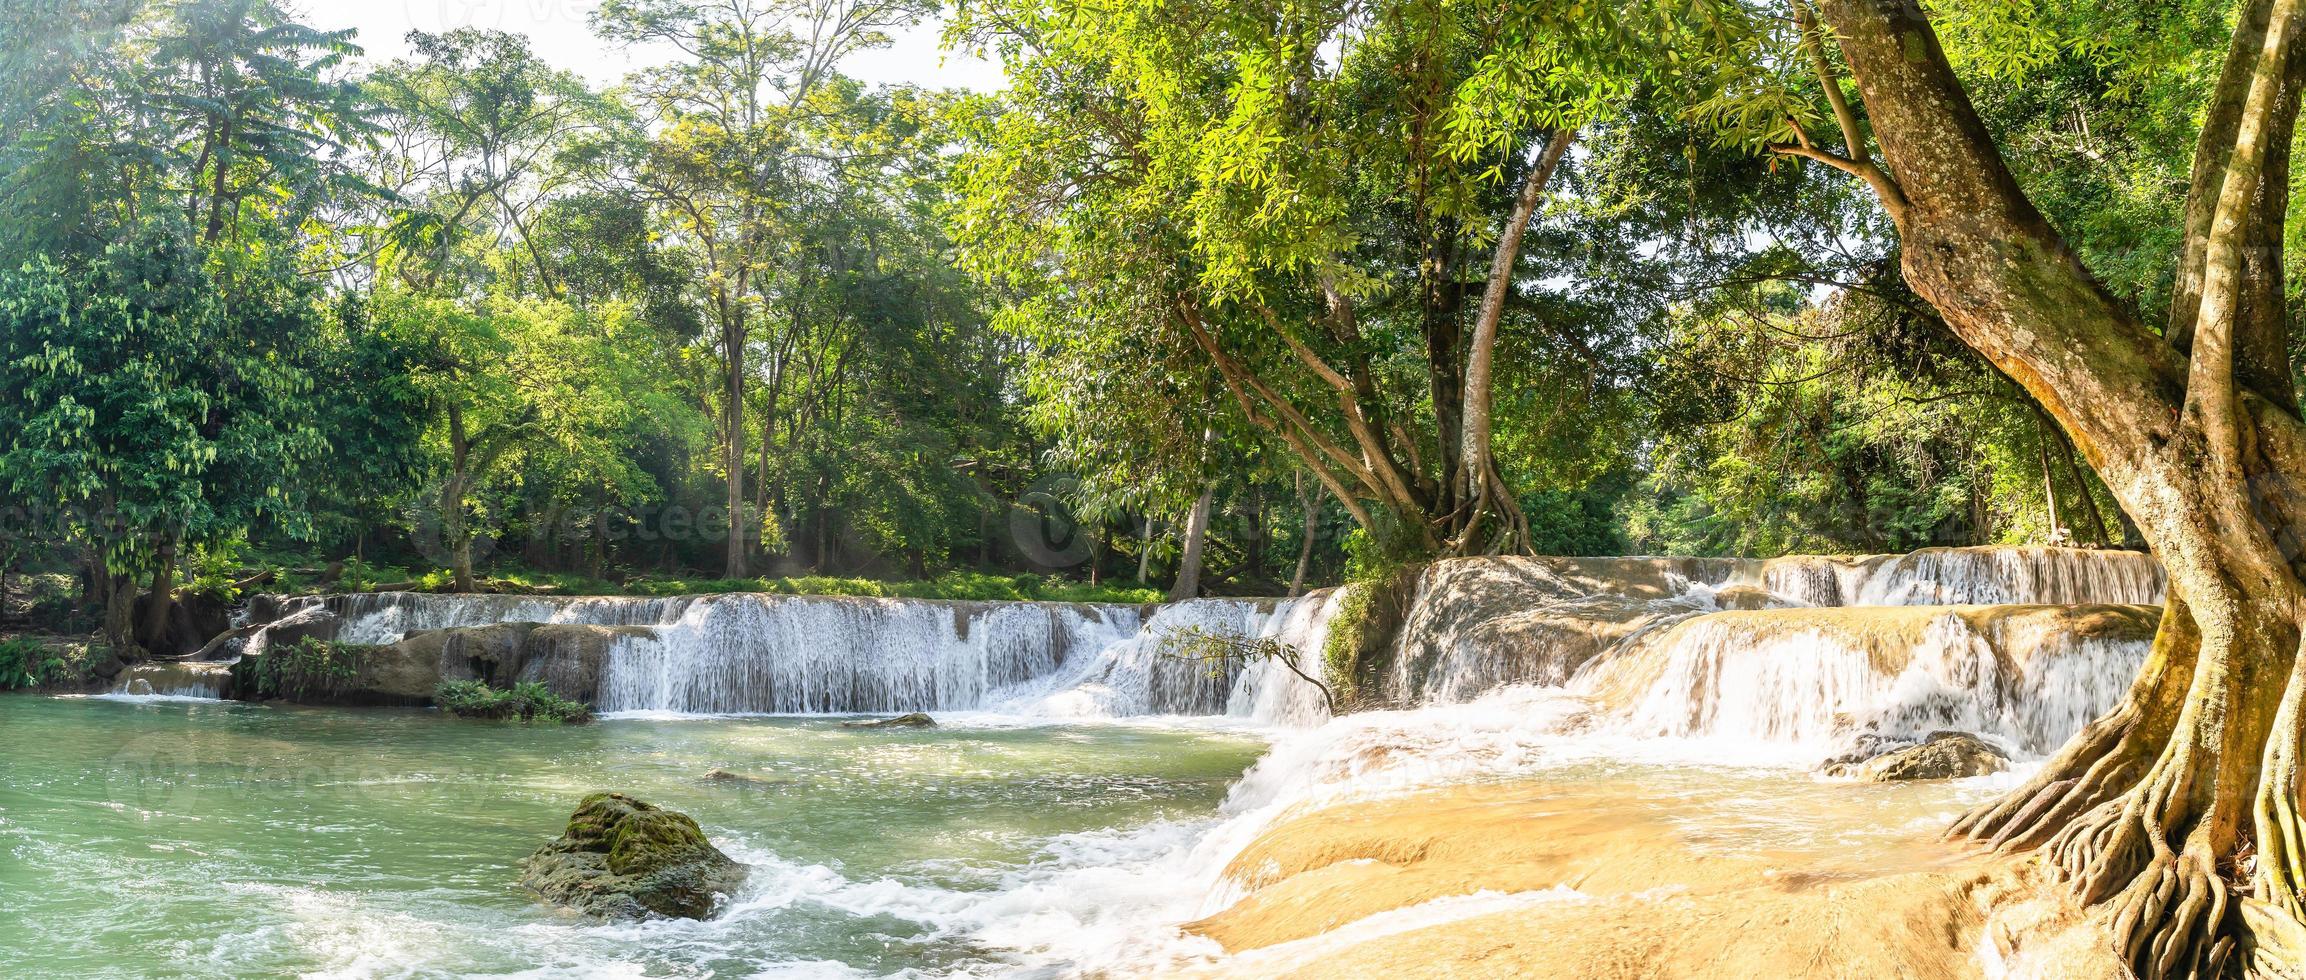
x: 528, y: 702
x: 311, y: 667
x: 26, y: 662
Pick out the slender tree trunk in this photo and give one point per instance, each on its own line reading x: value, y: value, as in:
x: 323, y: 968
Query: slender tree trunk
x: 2180, y: 807
x: 1478, y: 471
x: 1145, y: 553
x: 1253, y: 550
x: 163, y: 601
x: 455, y: 531
x: 600, y: 536
x: 733, y: 349
x: 2090, y: 512
x: 1188, y: 582
x: 1311, y: 504
x: 120, y: 615
x: 216, y: 198
x: 2049, y: 483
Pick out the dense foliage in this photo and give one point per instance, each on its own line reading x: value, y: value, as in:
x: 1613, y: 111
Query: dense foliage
x: 1223, y: 296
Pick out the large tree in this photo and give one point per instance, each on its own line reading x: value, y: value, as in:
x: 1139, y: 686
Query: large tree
x: 1314, y: 202
x: 2180, y: 808
x: 721, y: 155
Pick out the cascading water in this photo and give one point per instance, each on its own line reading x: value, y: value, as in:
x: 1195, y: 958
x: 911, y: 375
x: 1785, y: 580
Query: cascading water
x: 785, y: 654
x: 173, y: 680
x: 1140, y: 675
x: 775, y: 654
x: 1989, y: 576
x: 1647, y: 639
x: 1819, y: 678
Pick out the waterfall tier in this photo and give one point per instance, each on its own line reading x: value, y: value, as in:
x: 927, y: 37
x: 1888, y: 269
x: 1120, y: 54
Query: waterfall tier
x: 779, y: 654
x: 2012, y: 642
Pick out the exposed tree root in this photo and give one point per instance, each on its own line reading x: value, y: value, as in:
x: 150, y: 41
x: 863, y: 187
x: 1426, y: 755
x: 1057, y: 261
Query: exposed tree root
x: 2172, y: 919
x: 2106, y: 759
x: 2164, y: 812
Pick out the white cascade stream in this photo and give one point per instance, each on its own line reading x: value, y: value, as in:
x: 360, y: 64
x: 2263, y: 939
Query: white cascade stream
x: 1650, y: 644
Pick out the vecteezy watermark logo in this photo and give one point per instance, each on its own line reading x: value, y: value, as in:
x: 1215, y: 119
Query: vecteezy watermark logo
x: 452, y: 14
x: 1043, y: 526
x: 154, y: 774
x: 435, y: 535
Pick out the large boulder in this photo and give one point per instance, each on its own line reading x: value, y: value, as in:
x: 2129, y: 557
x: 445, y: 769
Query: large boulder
x: 491, y: 653
x: 1944, y: 755
x: 624, y: 858
x: 569, y: 658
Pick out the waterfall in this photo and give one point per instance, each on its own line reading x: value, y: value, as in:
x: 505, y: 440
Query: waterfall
x: 384, y: 617
x: 1137, y: 674
x: 174, y: 680
x: 1803, y: 649
x: 789, y: 654
x: 778, y: 654
x: 1961, y: 576
x: 2024, y: 645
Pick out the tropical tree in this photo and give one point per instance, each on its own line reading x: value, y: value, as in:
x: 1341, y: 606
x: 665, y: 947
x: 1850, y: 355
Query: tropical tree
x: 2180, y: 807
x: 1323, y: 205
x: 714, y: 155
x: 147, y: 402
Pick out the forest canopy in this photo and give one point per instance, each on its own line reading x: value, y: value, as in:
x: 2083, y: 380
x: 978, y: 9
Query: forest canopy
x: 1231, y: 296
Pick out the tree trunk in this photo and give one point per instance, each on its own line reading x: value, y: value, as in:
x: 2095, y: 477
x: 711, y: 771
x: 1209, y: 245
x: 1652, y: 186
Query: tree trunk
x: 455, y: 532
x: 1253, y: 519
x: 2049, y: 483
x: 1188, y: 582
x: 120, y: 615
x: 1478, y: 471
x: 1145, y: 553
x: 163, y: 596
x: 2180, y: 807
x: 733, y: 349
x: 1311, y: 503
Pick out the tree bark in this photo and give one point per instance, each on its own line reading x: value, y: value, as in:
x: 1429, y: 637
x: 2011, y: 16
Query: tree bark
x: 1310, y: 502
x: 2049, y: 483
x: 455, y: 532
x: 2165, y: 805
x: 733, y: 350
x: 163, y: 596
x: 1478, y: 470
x: 1145, y: 552
x: 1188, y: 582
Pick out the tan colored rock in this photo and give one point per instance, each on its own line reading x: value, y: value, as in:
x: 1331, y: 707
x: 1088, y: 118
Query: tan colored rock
x: 1944, y: 755
x: 1655, y: 895
x: 1483, y: 623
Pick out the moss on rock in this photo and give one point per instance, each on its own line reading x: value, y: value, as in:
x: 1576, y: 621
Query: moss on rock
x: 622, y: 857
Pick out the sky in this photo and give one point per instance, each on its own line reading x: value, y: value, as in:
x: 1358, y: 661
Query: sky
x: 558, y: 33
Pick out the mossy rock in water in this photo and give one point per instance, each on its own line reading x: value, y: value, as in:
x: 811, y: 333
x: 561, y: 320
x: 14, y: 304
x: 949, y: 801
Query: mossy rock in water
x: 625, y: 858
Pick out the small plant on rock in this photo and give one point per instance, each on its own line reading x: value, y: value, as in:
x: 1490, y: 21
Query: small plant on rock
x: 527, y: 702
x: 311, y: 667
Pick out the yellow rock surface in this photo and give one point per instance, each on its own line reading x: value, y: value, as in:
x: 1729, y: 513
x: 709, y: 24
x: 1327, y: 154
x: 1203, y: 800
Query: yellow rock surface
x: 1664, y: 888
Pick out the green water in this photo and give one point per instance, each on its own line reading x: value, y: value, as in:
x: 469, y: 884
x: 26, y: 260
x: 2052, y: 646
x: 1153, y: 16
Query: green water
x: 174, y: 839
